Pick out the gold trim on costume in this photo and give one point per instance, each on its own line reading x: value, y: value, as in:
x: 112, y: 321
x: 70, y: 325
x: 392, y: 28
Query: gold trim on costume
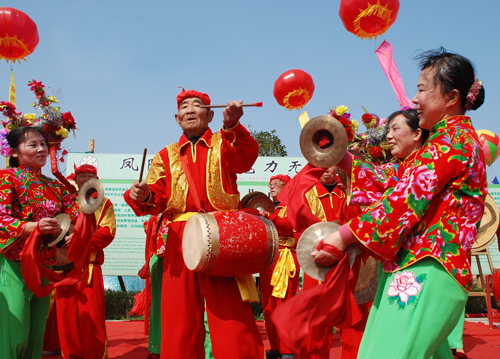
x: 217, y: 196
x: 315, y: 204
x: 178, y: 184
x: 108, y: 218
x: 156, y: 171
x: 285, y: 268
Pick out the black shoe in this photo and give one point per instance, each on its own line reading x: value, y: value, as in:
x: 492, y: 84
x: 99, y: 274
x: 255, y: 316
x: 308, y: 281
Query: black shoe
x: 273, y: 354
x: 287, y: 356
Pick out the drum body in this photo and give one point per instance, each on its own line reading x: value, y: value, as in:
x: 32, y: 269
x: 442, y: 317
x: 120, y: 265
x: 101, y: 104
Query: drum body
x: 229, y: 244
x: 495, y: 284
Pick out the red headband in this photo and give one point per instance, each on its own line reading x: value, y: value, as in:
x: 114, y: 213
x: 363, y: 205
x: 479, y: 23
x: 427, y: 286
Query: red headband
x: 192, y: 93
x: 85, y: 168
x: 284, y: 178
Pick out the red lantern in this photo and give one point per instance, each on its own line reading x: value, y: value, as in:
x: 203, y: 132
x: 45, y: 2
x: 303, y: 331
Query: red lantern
x: 367, y: 20
x: 18, y: 34
x: 293, y: 89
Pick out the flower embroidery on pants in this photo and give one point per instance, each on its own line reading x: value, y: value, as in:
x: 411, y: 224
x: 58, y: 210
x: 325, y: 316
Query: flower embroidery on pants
x: 404, y: 288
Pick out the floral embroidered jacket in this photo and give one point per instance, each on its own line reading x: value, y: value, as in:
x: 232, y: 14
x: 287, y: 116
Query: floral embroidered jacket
x: 435, y: 207
x: 29, y: 196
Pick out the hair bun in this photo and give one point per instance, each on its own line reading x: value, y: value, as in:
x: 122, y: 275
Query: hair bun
x: 479, y: 99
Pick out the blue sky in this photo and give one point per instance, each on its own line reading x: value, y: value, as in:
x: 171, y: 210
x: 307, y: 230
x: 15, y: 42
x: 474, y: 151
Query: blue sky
x: 116, y: 65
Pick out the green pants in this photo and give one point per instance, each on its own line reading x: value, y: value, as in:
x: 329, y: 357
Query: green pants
x: 156, y: 270
x: 22, y: 314
x: 154, y: 344
x: 413, y: 313
x: 455, y: 339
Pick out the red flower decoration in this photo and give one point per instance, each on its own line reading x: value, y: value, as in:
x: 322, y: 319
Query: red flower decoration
x: 45, y: 103
x: 350, y: 133
x: 367, y: 118
x: 375, y: 151
x: 68, y: 120
x: 36, y: 85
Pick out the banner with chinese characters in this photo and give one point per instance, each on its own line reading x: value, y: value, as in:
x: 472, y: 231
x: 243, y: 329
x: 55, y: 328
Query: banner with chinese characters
x: 117, y: 172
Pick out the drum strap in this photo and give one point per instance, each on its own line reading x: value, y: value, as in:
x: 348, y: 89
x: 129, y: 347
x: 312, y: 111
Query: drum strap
x: 189, y: 178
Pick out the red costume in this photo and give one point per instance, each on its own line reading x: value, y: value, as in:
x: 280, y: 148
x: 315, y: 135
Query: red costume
x: 285, y: 285
x: 82, y: 329
x: 213, y: 162
x: 333, y: 207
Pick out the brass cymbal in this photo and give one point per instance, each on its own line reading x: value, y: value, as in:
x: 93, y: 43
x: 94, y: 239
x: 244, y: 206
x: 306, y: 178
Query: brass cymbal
x: 257, y: 200
x: 317, y: 129
x: 489, y: 224
x: 65, y: 223
x: 308, y: 242
x: 86, y: 201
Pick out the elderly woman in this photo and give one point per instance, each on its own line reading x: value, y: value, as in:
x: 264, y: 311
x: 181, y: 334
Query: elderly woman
x: 28, y: 200
x: 424, y: 224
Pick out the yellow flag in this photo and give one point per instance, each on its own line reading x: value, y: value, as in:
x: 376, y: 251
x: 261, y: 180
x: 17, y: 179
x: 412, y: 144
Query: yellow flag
x: 12, y: 92
x: 303, y: 118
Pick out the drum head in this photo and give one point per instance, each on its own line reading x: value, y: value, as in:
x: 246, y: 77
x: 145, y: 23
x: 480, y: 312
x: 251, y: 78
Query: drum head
x: 257, y: 200
x: 65, y: 223
x: 316, y: 130
x: 367, y: 284
x: 308, y: 242
x: 488, y: 226
x: 195, y: 240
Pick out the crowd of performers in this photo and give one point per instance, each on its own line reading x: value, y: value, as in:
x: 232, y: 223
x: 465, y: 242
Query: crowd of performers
x: 418, y: 215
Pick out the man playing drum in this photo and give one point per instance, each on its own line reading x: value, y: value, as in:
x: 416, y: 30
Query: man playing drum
x: 198, y: 174
x: 279, y: 282
x: 82, y: 327
x: 328, y: 201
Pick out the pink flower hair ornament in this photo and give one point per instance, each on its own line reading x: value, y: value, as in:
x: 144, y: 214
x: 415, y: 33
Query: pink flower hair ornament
x: 473, y: 92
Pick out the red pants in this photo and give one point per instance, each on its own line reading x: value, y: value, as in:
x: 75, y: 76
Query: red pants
x: 82, y: 327
x: 269, y: 303
x: 51, y: 337
x: 320, y: 340
x: 232, y: 326
x: 351, y: 337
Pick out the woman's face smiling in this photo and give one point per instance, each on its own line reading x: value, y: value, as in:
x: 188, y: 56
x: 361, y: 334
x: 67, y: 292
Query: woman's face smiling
x: 32, y: 152
x: 401, y: 138
x: 429, y: 101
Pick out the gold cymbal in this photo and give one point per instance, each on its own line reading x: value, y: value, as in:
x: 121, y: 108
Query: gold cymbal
x: 65, y: 223
x: 86, y: 201
x: 308, y: 242
x: 317, y: 129
x: 257, y: 200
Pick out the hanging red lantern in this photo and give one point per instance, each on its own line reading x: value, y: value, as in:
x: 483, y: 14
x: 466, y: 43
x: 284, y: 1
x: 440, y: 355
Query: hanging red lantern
x: 18, y: 34
x: 293, y: 89
x: 367, y: 20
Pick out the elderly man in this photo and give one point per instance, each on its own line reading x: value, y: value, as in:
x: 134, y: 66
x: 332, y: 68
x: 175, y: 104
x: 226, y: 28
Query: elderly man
x: 280, y: 282
x: 82, y: 327
x: 328, y: 201
x: 198, y: 173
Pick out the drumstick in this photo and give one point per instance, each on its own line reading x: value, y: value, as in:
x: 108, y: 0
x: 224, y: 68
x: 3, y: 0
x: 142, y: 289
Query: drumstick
x: 143, y: 163
x: 256, y: 104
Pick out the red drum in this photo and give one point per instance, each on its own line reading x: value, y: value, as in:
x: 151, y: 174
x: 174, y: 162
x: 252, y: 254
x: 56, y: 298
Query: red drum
x: 229, y: 244
x: 495, y: 284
